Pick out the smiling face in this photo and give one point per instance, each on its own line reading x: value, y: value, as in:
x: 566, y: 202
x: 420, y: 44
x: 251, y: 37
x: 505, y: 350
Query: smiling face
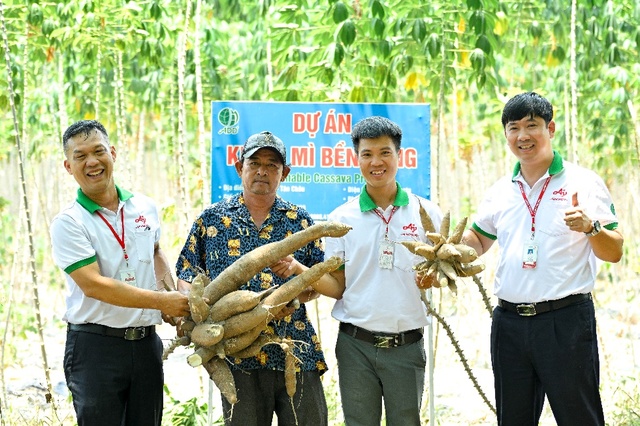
x: 90, y: 159
x: 530, y: 139
x: 378, y: 159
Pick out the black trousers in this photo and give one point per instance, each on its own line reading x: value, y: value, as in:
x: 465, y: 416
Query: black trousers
x: 113, y: 381
x: 261, y: 393
x: 553, y: 354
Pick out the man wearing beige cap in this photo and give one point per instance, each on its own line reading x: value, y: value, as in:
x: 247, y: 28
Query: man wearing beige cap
x: 223, y: 233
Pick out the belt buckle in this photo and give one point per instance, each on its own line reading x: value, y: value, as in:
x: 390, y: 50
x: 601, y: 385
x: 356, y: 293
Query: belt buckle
x: 384, y: 342
x: 134, y: 333
x: 526, y: 309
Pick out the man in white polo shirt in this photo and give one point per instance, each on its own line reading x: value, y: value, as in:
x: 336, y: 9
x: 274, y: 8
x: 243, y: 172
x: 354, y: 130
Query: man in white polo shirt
x: 106, y: 242
x: 380, y: 349
x: 551, y: 219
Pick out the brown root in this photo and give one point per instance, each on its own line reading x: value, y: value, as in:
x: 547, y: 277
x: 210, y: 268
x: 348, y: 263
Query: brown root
x: 207, y: 334
x: 220, y: 372
x: 197, y: 305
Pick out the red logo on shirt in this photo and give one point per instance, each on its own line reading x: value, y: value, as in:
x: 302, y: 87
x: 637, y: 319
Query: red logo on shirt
x: 142, y: 223
x: 410, y: 230
x: 411, y: 227
x: 559, y: 195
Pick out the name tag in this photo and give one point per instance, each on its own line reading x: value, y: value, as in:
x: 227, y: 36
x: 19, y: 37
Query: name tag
x: 529, y: 256
x: 128, y: 276
x: 385, y: 255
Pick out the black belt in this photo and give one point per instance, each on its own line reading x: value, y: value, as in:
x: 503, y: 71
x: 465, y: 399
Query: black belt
x: 129, y: 333
x: 531, y: 309
x: 381, y: 340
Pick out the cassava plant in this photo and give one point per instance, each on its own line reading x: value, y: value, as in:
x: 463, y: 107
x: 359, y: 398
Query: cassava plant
x: 25, y: 201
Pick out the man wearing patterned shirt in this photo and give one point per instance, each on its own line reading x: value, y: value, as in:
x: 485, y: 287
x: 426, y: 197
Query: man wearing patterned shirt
x: 223, y: 233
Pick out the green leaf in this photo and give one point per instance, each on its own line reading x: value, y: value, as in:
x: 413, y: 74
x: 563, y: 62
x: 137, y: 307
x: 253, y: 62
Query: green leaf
x: 88, y: 6
x: 535, y: 30
x: 60, y: 32
x: 378, y: 27
x: 610, y: 38
x: 347, y: 32
x: 392, y: 81
x: 340, y: 12
x: 48, y: 26
x: 477, y: 59
x: 357, y: 94
x: 155, y: 10
x: 483, y: 43
x: 559, y: 53
x: 35, y: 15
x: 380, y: 73
x: 399, y: 26
x: 419, y: 31
x: 613, y: 54
x: 384, y: 47
x: 433, y: 45
x: 377, y: 9
x: 474, y: 4
x: 404, y: 64
x: 335, y: 53
x: 478, y: 22
x: 145, y: 48
x: 292, y: 96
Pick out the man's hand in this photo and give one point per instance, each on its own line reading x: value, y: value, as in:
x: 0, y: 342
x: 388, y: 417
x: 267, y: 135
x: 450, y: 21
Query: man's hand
x: 288, y: 309
x: 174, y: 304
x: 576, y: 219
x: 286, y: 267
x: 424, y: 281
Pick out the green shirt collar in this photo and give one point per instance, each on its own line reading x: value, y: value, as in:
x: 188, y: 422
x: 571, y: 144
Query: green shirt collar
x: 366, y: 203
x: 556, y: 166
x: 92, y: 207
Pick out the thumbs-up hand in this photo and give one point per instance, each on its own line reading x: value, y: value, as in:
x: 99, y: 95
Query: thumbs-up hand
x: 575, y: 218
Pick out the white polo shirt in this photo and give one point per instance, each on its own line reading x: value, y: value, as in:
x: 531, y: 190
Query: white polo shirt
x: 377, y: 299
x: 566, y: 264
x: 80, y: 237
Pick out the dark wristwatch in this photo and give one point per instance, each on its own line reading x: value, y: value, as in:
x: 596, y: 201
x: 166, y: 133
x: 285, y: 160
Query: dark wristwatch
x: 596, y: 229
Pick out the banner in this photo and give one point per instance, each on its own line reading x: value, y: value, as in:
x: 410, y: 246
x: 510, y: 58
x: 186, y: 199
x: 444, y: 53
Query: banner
x: 324, y: 166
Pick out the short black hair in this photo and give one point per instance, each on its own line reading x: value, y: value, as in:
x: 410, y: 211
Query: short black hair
x: 374, y: 127
x: 84, y: 127
x: 529, y: 104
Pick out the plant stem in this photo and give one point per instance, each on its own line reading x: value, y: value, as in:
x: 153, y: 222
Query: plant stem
x: 34, y: 275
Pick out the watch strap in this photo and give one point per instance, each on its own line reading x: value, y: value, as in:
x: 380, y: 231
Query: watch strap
x: 596, y: 229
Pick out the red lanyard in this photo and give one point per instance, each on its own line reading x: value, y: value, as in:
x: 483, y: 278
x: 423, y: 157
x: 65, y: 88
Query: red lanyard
x: 532, y: 211
x: 386, y: 221
x: 115, y: 234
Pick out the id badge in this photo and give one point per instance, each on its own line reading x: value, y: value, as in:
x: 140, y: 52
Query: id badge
x: 128, y: 276
x: 385, y: 256
x: 529, y: 256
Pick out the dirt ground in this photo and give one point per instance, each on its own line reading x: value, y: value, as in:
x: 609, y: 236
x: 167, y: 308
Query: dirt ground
x: 455, y: 402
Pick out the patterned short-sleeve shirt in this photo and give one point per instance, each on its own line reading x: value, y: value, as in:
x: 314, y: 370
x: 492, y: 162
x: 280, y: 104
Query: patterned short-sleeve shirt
x: 225, y: 231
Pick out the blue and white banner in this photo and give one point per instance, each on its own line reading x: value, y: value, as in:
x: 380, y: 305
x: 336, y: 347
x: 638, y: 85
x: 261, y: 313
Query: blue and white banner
x: 324, y: 166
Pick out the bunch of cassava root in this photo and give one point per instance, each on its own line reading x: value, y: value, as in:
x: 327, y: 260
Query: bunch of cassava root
x: 226, y: 321
x: 446, y: 258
